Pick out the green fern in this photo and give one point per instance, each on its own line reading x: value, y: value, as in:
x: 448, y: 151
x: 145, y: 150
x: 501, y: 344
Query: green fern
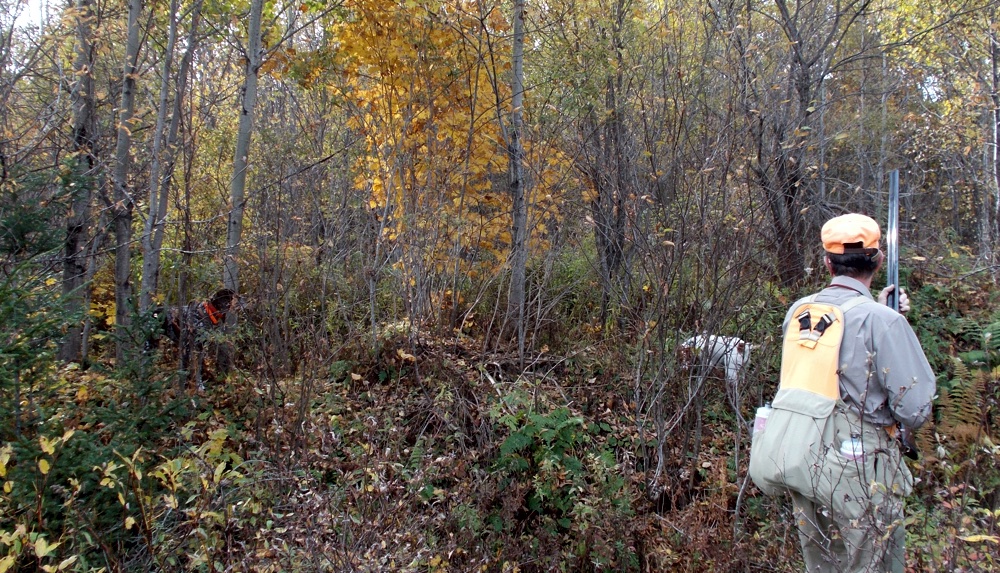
x: 985, y: 340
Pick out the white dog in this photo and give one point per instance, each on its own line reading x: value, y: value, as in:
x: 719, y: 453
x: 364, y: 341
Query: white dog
x: 727, y: 352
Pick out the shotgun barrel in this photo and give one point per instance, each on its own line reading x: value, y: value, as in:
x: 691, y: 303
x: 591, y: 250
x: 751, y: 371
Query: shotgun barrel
x: 906, y: 439
x: 892, y: 241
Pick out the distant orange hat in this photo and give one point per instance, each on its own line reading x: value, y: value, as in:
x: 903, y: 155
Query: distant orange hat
x: 851, y: 234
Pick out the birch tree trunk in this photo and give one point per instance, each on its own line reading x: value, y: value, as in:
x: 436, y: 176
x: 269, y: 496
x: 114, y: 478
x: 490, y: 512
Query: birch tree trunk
x: 515, y: 149
x: 990, y: 213
x: 164, y: 155
x: 123, y: 201
x: 77, y: 220
x: 237, y: 187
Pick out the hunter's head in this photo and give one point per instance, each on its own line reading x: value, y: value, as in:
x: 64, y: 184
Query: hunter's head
x: 851, y: 244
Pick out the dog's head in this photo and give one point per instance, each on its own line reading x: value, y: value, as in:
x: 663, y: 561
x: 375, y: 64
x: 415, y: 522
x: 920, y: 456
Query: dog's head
x: 730, y: 353
x: 224, y: 300
x: 736, y: 357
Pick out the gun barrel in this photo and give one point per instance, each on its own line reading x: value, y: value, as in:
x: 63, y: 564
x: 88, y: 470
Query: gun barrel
x: 892, y: 240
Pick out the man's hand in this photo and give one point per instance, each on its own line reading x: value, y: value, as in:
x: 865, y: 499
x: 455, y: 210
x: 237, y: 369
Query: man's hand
x: 904, y: 301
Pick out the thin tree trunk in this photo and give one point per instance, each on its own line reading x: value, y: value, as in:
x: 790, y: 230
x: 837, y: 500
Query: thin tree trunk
x: 515, y: 150
x: 123, y: 201
x: 164, y: 156
x: 237, y: 188
x: 991, y: 204
x: 78, y: 218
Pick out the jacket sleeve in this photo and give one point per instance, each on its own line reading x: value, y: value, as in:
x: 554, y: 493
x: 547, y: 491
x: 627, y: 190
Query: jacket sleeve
x: 905, y: 373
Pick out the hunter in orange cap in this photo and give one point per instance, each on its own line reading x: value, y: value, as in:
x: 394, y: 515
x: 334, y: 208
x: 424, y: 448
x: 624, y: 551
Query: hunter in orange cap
x: 885, y: 383
x: 851, y: 234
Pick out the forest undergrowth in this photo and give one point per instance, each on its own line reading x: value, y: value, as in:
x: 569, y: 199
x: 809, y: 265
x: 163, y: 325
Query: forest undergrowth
x: 432, y: 454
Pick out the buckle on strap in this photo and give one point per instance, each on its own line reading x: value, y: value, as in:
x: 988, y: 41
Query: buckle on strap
x: 809, y: 335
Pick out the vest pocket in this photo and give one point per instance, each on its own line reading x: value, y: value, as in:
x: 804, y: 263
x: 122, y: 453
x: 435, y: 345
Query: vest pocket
x: 841, y: 483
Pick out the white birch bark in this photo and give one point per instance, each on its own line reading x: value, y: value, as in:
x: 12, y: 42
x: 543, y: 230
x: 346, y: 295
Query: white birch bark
x: 123, y: 201
x: 237, y: 187
x: 164, y: 154
x: 515, y: 150
x: 77, y: 220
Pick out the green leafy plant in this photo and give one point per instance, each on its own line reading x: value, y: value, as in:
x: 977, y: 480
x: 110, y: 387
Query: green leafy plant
x: 544, y: 448
x: 553, y: 478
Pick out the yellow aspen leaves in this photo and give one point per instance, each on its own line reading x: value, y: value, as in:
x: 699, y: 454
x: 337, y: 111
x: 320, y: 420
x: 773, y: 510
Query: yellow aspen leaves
x: 427, y: 106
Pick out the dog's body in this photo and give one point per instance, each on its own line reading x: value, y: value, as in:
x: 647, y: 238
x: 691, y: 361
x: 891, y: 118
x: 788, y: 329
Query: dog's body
x: 703, y: 360
x: 187, y: 327
x: 729, y: 353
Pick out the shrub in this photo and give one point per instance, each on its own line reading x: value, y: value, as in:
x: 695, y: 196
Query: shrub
x: 569, y: 494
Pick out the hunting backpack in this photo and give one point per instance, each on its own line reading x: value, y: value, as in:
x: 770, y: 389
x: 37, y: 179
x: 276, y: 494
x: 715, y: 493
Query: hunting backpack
x: 799, y: 447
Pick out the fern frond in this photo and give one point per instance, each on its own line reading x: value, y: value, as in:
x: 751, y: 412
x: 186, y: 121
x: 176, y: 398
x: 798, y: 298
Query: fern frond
x: 969, y: 328
x: 967, y: 433
x: 974, y: 404
x: 962, y: 404
x: 926, y: 440
x: 961, y: 370
x: 992, y: 341
x: 946, y: 407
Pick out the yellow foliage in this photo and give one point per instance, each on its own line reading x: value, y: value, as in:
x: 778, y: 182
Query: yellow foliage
x: 427, y: 100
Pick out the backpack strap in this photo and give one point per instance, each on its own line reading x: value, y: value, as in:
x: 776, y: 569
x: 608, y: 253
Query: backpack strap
x: 810, y: 329
x: 856, y: 301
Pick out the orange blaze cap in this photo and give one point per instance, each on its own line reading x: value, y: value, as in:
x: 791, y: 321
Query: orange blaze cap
x: 851, y: 233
